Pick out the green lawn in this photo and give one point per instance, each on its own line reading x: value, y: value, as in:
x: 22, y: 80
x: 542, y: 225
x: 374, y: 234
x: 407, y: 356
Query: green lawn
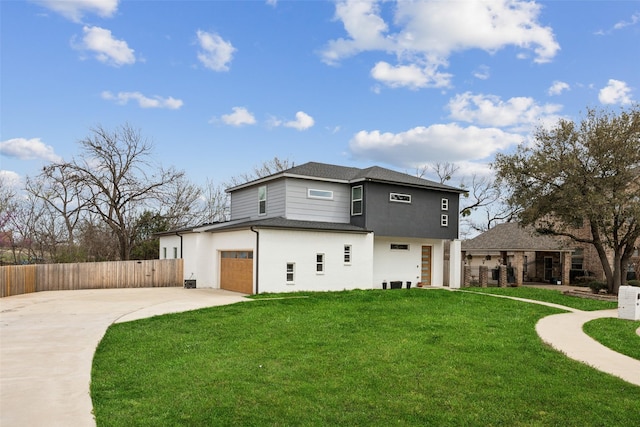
x: 617, y: 334
x: 402, y: 357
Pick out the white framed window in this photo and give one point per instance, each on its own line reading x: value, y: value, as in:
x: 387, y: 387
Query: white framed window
x: 319, y: 263
x: 164, y: 253
x: 399, y: 247
x: 262, y: 200
x: 347, y: 254
x: 175, y: 253
x: 312, y: 193
x: 291, y: 272
x: 356, y: 200
x: 400, y: 198
x: 444, y: 220
x: 445, y: 204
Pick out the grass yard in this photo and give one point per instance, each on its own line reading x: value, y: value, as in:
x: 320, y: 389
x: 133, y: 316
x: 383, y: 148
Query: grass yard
x: 402, y: 357
x: 617, y: 334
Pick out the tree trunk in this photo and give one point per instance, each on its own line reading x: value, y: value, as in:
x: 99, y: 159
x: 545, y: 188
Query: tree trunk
x: 602, y: 254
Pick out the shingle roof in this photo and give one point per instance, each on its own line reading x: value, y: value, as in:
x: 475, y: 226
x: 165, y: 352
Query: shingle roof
x: 347, y: 174
x: 511, y: 236
x: 283, y: 223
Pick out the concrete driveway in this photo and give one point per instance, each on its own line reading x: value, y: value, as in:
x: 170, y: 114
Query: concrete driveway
x: 47, y: 342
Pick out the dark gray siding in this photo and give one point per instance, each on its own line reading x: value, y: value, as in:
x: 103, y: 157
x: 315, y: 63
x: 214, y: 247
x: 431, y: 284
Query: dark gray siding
x: 420, y: 218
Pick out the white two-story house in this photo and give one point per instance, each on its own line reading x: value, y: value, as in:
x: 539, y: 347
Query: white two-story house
x: 319, y: 227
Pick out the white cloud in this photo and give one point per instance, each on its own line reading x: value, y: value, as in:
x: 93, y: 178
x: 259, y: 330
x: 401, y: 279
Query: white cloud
x: 123, y: 98
x: 411, y: 76
x: 615, y: 92
x: 430, y: 31
x: 10, y: 179
x: 635, y: 18
x: 490, y: 110
x: 303, y: 121
x: 28, y: 149
x: 558, y: 87
x: 107, y: 49
x: 215, y: 53
x: 74, y: 10
x: 272, y: 3
x: 482, y: 72
x: 240, y: 116
x: 436, y: 143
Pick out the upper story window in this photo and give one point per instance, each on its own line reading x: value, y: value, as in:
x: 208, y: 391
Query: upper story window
x: 175, y: 253
x: 445, y: 204
x: 399, y: 197
x: 164, y: 253
x: 262, y: 200
x: 319, y: 194
x: 356, y: 200
x: 444, y: 220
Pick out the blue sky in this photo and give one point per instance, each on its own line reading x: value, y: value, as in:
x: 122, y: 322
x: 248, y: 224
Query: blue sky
x: 222, y: 86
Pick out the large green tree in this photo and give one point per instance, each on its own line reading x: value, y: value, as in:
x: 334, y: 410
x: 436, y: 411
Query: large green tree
x: 577, y: 174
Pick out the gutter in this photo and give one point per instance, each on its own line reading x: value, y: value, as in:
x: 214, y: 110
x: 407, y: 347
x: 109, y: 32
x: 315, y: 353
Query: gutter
x: 257, y: 256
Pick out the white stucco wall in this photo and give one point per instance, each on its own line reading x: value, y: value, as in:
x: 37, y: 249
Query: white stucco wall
x: 405, y: 265
x: 279, y: 247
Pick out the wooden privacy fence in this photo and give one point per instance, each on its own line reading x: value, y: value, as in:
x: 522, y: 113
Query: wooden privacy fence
x: 22, y: 279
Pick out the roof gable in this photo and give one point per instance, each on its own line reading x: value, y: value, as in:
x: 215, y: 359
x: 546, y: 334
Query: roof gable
x: 511, y: 236
x: 345, y: 174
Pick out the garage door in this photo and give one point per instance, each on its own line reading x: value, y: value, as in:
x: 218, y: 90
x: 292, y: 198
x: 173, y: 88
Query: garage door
x: 236, y: 271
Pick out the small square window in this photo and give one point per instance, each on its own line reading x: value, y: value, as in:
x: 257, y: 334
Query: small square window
x: 319, y: 263
x: 444, y: 220
x: 291, y: 270
x: 445, y: 204
x: 347, y: 254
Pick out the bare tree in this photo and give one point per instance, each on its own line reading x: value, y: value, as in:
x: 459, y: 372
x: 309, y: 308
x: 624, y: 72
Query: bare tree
x: 266, y: 168
x: 119, y: 179
x: 216, y: 203
x: 181, y: 203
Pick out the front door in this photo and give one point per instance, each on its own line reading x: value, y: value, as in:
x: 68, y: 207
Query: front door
x: 426, y: 266
x: 548, y: 268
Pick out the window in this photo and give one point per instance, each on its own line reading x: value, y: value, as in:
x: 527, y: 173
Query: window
x: 356, y: 200
x: 445, y: 204
x: 262, y: 200
x: 347, y: 254
x: 164, y: 253
x: 319, y: 194
x: 319, y: 263
x: 444, y: 220
x: 291, y: 270
x: 401, y: 198
x: 175, y: 253
x: 399, y: 247
x: 577, y: 259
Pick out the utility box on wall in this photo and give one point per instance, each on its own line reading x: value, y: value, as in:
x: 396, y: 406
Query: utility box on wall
x: 629, y: 302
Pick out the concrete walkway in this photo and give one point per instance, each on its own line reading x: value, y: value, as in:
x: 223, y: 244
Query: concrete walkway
x: 47, y: 342
x: 564, y: 333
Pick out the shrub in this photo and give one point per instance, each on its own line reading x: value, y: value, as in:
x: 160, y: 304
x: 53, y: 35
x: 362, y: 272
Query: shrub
x: 634, y: 283
x: 596, y: 286
x: 582, y: 280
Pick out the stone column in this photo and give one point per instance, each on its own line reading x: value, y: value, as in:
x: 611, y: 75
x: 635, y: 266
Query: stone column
x: 518, y: 267
x: 484, y: 276
x: 467, y: 276
x: 566, y: 267
x: 502, y: 277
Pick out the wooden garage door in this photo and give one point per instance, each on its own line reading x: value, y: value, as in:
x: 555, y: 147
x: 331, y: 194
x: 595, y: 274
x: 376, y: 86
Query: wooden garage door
x: 236, y: 271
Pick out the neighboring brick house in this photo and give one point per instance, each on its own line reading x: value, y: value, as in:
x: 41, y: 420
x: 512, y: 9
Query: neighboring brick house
x: 325, y: 227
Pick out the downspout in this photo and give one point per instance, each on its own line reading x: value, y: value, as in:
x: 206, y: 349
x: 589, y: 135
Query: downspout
x: 257, y: 256
x: 180, y: 236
